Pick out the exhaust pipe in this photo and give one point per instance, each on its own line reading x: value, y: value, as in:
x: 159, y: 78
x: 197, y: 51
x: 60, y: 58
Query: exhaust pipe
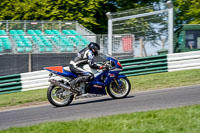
x: 61, y: 85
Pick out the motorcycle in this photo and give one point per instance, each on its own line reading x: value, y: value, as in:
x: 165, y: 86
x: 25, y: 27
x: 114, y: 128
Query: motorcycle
x: 106, y: 81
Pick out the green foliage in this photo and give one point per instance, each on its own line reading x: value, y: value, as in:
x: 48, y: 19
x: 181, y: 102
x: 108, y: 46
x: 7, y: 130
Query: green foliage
x: 130, y: 4
x: 187, y: 11
x: 83, y: 11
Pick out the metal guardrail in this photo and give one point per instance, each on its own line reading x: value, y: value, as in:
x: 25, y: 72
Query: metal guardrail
x: 10, y: 84
x: 183, y: 61
x: 145, y: 65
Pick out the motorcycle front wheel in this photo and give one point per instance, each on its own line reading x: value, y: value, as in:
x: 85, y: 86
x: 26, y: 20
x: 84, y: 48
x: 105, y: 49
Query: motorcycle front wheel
x: 119, y: 92
x: 58, y: 96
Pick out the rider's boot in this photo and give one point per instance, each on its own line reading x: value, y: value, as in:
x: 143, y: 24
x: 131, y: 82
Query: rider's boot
x: 74, y: 82
x: 74, y: 87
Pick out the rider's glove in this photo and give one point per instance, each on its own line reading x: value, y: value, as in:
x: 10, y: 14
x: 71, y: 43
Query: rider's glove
x: 103, y: 67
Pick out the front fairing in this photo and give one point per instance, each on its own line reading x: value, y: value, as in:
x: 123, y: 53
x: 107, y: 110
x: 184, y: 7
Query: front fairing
x: 113, y: 61
x: 103, y: 79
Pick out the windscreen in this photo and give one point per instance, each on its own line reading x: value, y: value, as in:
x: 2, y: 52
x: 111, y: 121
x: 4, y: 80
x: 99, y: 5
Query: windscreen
x: 105, y: 56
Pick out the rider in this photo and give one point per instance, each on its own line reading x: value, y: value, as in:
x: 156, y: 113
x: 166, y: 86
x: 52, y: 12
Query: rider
x: 85, y: 56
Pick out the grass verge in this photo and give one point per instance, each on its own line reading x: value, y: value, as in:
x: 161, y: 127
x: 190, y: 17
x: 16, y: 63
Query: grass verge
x: 139, y: 83
x: 18, y: 98
x: 165, y: 80
x: 176, y: 120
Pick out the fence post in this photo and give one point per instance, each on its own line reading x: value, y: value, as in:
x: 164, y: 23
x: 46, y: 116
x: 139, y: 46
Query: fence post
x: 170, y: 26
x: 24, y: 25
x: 163, y: 43
x: 42, y: 26
x: 133, y: 45
x: 141, y: 47
x: 109, y: 33
x: 29, y: 62
x: 7, y: 30
x: 60, y: 28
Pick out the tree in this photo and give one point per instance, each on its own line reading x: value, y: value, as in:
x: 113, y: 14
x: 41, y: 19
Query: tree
x: 85, y: 12
x: 130, y: 4
x: 187, y: 11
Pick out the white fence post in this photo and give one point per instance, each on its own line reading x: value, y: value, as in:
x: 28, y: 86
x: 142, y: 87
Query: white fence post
x: 109, y: 33
x: 170, y: 26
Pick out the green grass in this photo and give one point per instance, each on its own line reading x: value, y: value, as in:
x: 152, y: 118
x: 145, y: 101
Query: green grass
x: 165, y: 80
x: 176, y: 120
x: 23, y: 97
x: 139, y: 83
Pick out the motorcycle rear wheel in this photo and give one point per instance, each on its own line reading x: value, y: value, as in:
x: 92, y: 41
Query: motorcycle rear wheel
x: 116, y: 93
x: 59, y: 97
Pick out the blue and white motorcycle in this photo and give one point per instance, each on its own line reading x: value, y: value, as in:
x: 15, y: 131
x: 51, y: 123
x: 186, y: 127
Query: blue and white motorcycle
x: 107, y: 81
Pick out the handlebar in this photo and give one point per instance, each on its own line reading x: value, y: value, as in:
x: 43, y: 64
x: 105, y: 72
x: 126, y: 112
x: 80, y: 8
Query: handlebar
x: 107, y: 65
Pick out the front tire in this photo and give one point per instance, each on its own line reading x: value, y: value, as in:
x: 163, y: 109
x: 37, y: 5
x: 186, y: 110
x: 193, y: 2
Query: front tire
x: 59, y: 97
x: 116, y: 93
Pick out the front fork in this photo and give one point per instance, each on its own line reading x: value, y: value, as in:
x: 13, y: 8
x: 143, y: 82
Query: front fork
x: 118, y: 83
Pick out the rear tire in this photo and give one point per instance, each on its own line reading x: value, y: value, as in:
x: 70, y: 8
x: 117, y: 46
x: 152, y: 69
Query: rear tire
x: 56, y: 102
x: 115, y: 93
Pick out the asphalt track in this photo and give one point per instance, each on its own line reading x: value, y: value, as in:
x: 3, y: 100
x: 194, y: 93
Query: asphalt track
x: 102, y: 106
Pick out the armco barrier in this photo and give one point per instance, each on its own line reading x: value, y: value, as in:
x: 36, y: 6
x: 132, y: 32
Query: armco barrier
x: 10, y: 83
x: 24, y: 82
x: 132, y: 67
x: 34, y: 80
x: 183, y: 61
x: 145, y: 65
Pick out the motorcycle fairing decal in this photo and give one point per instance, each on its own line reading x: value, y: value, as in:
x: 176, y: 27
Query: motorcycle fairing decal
x: 111, y: 74
x: 95, y: 90
x: 97, y: 87
x: 55, y: 68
